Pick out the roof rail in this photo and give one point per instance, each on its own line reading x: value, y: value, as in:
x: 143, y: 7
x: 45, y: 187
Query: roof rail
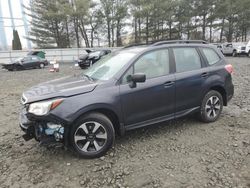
x: 179, y: 42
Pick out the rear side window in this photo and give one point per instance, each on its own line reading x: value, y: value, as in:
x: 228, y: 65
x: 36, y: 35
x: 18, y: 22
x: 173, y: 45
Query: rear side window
x: 186, y: 59
x: 211, y: 55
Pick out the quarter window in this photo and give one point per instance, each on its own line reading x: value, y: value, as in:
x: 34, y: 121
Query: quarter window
x: 186, y: 59
x: 211, y: 55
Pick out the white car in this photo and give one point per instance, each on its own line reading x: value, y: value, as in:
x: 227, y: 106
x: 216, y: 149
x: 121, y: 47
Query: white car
x: 240, y: 48
x: 248, y: 49
x: 227, y: 49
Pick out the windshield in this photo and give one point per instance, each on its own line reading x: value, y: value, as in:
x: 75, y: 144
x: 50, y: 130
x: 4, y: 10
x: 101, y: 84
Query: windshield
x: 93, y: 54
x: 108, y: 66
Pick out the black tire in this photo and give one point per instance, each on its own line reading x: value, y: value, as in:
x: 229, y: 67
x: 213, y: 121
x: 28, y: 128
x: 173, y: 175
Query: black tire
x: 88, y: 144
x: 211, y: 114
x: 234, y: 54
x: 248, y: 54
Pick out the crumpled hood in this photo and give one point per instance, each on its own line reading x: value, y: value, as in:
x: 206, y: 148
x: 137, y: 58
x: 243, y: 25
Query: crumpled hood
x: 63, y: 87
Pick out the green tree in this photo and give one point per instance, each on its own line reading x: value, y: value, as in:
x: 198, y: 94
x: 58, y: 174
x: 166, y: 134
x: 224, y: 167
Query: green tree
x: 16, y: 43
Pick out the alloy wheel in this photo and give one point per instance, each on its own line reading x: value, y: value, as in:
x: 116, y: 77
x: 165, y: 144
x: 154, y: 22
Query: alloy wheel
x: 90, y: 137
x: 213, y: 107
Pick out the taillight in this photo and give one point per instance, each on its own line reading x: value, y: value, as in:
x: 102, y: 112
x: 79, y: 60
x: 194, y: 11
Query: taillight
x: 229, y: 68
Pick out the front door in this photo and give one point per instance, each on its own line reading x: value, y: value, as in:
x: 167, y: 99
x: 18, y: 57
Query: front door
x: 154, y: 99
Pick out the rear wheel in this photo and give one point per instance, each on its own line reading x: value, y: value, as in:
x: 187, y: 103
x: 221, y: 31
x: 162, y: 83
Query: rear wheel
x: 42, y: 65
x: 92, y: 135
x: 211, y: 107
x: 248, y: 54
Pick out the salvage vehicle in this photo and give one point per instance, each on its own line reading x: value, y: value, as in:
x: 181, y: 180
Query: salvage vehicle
x: 28, y: 62
x: 89, y: 59
x: 131, y: 88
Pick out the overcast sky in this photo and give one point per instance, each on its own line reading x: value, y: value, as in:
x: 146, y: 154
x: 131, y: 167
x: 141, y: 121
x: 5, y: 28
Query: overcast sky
x: 16, y: 9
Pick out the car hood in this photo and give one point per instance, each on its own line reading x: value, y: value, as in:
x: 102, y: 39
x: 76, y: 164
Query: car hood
x: 63, y: 87
x: 11, y: 63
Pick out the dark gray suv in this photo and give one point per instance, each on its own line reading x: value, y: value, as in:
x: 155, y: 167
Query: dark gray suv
x: 130, y: 88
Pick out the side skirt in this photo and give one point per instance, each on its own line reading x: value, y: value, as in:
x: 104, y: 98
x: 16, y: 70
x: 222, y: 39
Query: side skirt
x: 161, y: 119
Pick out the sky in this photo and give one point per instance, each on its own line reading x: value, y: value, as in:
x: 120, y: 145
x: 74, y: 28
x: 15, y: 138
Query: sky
x: 16, y: 9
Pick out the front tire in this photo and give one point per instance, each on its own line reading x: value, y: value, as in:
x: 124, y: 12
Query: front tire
x: 234, y: 54
x: 211, y: 108
x: 92, y: 135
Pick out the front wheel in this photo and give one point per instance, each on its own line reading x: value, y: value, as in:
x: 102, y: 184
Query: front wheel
x: 92, y: 135
x: 234, y: 54
x: 211, y: 107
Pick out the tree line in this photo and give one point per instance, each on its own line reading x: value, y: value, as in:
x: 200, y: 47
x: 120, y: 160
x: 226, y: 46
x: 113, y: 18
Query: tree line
x: 68, y: 23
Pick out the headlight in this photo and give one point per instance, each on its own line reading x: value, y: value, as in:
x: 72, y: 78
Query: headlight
x: 43, y: 108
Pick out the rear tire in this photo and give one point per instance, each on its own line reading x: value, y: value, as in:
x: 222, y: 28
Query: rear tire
x: 41, y: 66
x: 212, y: 105
x: 92, y: 135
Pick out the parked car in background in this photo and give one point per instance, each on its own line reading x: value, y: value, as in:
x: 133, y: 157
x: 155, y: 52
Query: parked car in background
x: 233, y: 49
x: 248, y: 48
x: 28, y: 62
x: 131, y: 88
x: 92, y: 57
x: 240, y: 48
x: 229, y: 49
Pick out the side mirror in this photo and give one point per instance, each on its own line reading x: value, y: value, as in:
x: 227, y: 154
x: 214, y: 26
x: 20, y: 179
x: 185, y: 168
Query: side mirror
x: 136, y: 78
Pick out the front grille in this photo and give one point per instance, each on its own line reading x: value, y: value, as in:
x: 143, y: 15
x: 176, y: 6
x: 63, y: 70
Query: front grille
x: 243, y: 48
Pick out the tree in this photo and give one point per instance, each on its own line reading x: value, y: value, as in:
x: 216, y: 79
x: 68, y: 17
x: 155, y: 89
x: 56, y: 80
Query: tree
x: 16, y: 43
x: 48, y: 25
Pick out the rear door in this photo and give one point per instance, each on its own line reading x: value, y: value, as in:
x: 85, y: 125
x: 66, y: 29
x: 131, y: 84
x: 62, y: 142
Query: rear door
x: 153, y: 99
x: 191, y: 75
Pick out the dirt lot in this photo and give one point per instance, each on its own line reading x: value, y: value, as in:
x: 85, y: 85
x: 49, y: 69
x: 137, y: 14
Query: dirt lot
x: 182, y: 153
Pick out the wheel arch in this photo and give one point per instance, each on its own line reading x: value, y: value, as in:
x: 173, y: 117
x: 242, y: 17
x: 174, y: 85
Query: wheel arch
x: 107, y: 111
x: 222, y: 91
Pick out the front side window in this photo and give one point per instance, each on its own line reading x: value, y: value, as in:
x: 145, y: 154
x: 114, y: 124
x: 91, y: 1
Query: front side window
x: 186, y: 59
x: 35, y: 58
x: 153, y: 64
x: 211, y: 55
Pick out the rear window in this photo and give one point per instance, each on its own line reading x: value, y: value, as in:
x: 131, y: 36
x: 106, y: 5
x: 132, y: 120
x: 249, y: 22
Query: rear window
x: 211, y: 55
x: 186, y: 59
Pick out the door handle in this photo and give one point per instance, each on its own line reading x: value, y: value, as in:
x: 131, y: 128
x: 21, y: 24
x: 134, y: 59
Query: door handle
x: 204, y: 75
x: 168, y: 84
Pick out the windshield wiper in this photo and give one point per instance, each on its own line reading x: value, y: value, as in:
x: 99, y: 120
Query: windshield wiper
x: 88, y: 77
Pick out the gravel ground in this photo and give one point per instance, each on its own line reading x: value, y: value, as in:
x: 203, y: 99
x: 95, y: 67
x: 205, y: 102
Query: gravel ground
x: 181, y: 153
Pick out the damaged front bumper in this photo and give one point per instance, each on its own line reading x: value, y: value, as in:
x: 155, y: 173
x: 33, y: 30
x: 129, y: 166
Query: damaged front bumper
x: 40, y: 128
